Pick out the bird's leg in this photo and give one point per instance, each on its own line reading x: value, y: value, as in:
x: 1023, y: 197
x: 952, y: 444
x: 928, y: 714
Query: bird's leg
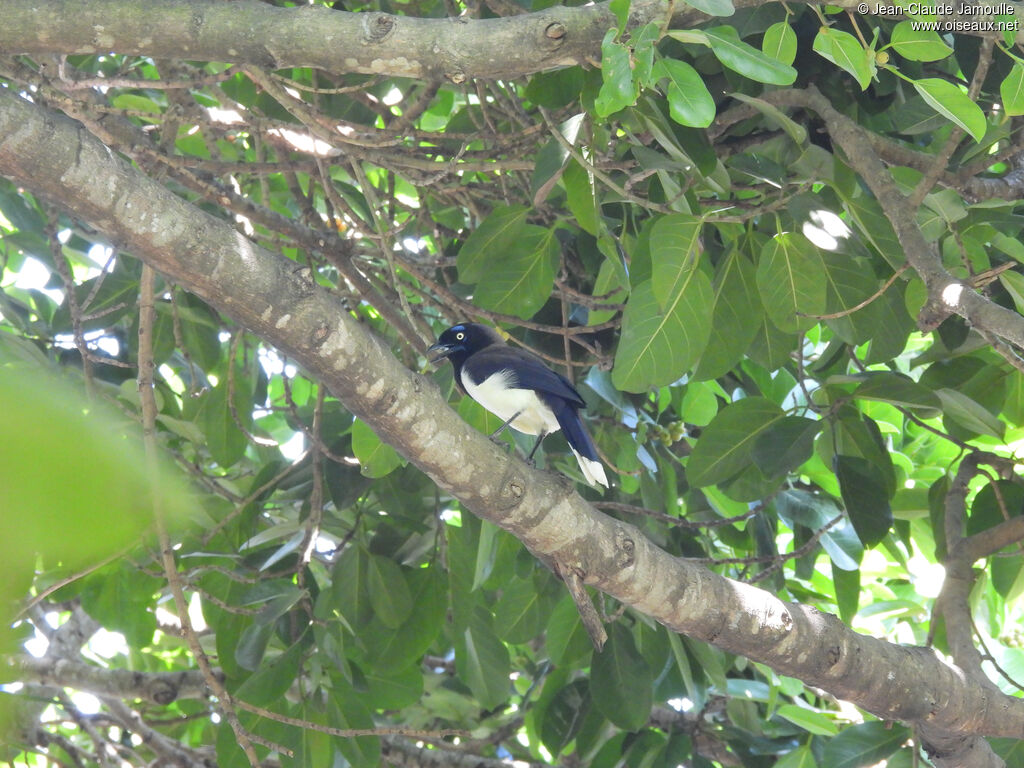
x: 540, y: 439
x: 503, y: 427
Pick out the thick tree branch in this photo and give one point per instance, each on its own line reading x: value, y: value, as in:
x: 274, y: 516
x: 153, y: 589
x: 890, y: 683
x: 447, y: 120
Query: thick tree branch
x: 157, y: 687
x: 275, y: 299
x: 315, y: 36
x: 251, y: 32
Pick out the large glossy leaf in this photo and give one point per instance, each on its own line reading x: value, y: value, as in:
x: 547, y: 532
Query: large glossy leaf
x: 494, y: 236
x: 564, y: 716
x: 1011, y: 90
x: 518, y: 281
x: 389, y: 593
x: 726, y: 445
x: 780, y: 42
x: 785, y: 444
x: 350, y: 587
x: 865, y: 497
x: 900, y: 390
x: 918, y: 44
x: 791, y: 281
x: 656, y: 347
x: 405, y: 645
x: 675, y: 254
x: 969, y: 414
x: 617, y: 88
x: 747, y: 60
x: 689, y: 101
x: 736, y: 317
x: 845, y: 51
x: 482, y: 660
x: 347, y: 710
x: 850, y: 283
x: 273, y: 678
x: 864, y: 744
x: 814, y: 512
x: 953, y: 103
x: 376, y: 458
x: 620, y: 681
x: 517, y: 613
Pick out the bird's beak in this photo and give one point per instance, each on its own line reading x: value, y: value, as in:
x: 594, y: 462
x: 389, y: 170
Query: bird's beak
x: 442, y: 350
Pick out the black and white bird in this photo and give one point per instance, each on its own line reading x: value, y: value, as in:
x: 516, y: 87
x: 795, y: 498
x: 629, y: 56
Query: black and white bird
x: 519, y: 389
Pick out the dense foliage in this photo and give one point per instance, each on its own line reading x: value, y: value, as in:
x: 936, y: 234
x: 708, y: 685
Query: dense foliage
x: 714, y: 259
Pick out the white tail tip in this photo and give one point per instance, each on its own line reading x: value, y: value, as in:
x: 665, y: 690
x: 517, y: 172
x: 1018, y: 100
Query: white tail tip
x: 593, y: 471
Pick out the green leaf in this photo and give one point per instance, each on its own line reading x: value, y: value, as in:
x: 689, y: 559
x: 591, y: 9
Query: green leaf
x: 389, y: 593
x: 735, y: 319
x: 785, y: 445
x: 656, y: 347
x: 846, y: 52
x: 713, y: 7
x: 864, y: 744
x: 486, y: 552
x: 817, y: 723
x: 951, y: 102
x: 519, y: 282
x: 621, y: 684
x: 969, y: 414
x: 918, y: 44
x: 794, y: 130
x: 1011, y: 90
x: 621, y: 10
x: 850, y: 282
x: 224, y: 439
x: 847, y: 586
x: 564, y: 716
x: 346, y: 710
x: 579, y: 196
x: 675, y: 252
x: 863, y: 488
x: 896, y: 388
x: 273, y: 678
x: 746, y: 60
x: 252, y: 644
x: 780, y: 42
x: 482, y: 661
x: 517, y: 612
x: 791, y: 281
x: 121, y: 598
x: 394, y: 687
x: 617, y: 88
x: 407, y: 644
x: 553, y: 159
x: 349, y: 585
x: 495, y: 235
x: 796, y: 507
x: 566, y: 640
x: 689, y: 100
x: 376, y: 458
x: 726, y: 445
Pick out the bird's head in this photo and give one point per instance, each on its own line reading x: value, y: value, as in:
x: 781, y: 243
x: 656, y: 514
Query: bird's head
x: 462, y: 340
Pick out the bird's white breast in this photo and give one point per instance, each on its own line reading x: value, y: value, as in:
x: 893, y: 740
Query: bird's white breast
x: 499, y: 395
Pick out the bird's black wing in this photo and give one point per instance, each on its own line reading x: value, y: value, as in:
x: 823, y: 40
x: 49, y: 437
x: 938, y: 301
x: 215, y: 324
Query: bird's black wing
x: 530, y: 372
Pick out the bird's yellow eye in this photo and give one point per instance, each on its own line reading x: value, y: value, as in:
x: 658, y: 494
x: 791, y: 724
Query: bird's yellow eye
x: 460, y: 336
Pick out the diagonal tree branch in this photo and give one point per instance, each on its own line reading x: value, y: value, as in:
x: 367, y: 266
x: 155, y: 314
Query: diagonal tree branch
x: 275, y: 299
x: 157, y: 687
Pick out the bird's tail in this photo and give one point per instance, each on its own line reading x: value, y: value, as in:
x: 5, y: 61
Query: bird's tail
x: 582, y: 445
